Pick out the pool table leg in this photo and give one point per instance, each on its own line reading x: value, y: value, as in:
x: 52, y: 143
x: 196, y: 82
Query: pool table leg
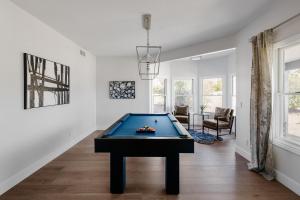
x: 172, y: 174
x: 117, y: 173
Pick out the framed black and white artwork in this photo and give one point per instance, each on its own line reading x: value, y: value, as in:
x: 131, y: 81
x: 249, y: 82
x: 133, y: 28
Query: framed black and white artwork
x: 46, y: 83
x: 122, y: 89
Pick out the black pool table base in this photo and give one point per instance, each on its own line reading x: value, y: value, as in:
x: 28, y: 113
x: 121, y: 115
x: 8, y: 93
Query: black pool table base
x: 118, y: 173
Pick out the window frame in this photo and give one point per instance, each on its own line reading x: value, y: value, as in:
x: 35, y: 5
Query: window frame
x: 192, y: 109
x: 278, y: 130
x: 165, y: 94
x: 201, y: 95
x: 231, y: 90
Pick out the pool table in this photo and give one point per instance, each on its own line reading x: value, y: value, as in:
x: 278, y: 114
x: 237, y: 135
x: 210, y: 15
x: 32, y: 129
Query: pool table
x: 122, y: 140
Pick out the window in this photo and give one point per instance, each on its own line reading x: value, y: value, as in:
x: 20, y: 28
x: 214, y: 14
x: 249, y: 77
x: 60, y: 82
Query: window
x: 291, y: 89
x: 183, y: 90
x: 233, y: 92
x: 286, y: 75
x: 159, y: 95
x: 212, y: 93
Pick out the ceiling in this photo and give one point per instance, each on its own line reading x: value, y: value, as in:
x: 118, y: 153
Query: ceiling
x: 114, y: 27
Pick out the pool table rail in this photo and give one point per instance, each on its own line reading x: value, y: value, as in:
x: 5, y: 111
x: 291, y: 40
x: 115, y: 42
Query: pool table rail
x: 182, y: 132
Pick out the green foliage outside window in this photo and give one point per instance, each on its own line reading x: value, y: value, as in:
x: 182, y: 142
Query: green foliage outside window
x: 294, y: 87
x: 217, y: 86
x: 158, y: 87
x: 212, y: 86
x: 183, y: 87
x: 294, y: 103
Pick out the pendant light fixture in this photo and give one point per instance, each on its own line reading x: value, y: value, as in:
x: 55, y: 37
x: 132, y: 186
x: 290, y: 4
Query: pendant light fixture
x: 148, y: 57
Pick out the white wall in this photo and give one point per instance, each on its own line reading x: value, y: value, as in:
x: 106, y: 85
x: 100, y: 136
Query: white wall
x: 125, y: 68
x: 216, y: 68
x: 287, y: 163
x: 119, y: 69
x: 197, y: 70
x: 31, y: 138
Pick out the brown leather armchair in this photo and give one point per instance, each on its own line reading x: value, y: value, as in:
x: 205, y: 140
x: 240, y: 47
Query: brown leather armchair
x: 182, y: 114
x: 223, y: 119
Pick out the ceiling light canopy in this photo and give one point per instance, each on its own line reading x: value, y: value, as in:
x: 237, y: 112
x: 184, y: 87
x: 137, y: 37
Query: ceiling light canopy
x: 148, y: 57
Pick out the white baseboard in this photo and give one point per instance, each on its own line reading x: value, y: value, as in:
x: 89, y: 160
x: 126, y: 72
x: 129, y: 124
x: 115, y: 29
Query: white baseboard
x: 288, y: 182
x: 280, y: 177
x: 20, y: 176
x: 243, y: 152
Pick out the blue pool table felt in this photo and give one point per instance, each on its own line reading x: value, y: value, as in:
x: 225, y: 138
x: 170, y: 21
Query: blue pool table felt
x: 164, y: 126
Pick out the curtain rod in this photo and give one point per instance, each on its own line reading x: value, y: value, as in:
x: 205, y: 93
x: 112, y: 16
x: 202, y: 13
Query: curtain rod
x: 282, y: 23
x: 289, y: 19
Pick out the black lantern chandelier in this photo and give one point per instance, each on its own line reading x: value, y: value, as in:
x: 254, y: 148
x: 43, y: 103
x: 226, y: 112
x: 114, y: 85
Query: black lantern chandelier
x: 148, y: 57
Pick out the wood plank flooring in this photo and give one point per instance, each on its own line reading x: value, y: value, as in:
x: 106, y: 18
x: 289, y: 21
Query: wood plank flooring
x: 214, y: 172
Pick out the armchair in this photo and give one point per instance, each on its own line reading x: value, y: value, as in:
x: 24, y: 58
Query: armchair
x: 182, y: 114
x: 223, y: 119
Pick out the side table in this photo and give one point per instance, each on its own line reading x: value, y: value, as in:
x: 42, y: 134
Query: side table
x: 204, y: 114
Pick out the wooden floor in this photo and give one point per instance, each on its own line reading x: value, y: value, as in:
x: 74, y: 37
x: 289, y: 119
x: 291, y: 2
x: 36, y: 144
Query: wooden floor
x: 213, y: 172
